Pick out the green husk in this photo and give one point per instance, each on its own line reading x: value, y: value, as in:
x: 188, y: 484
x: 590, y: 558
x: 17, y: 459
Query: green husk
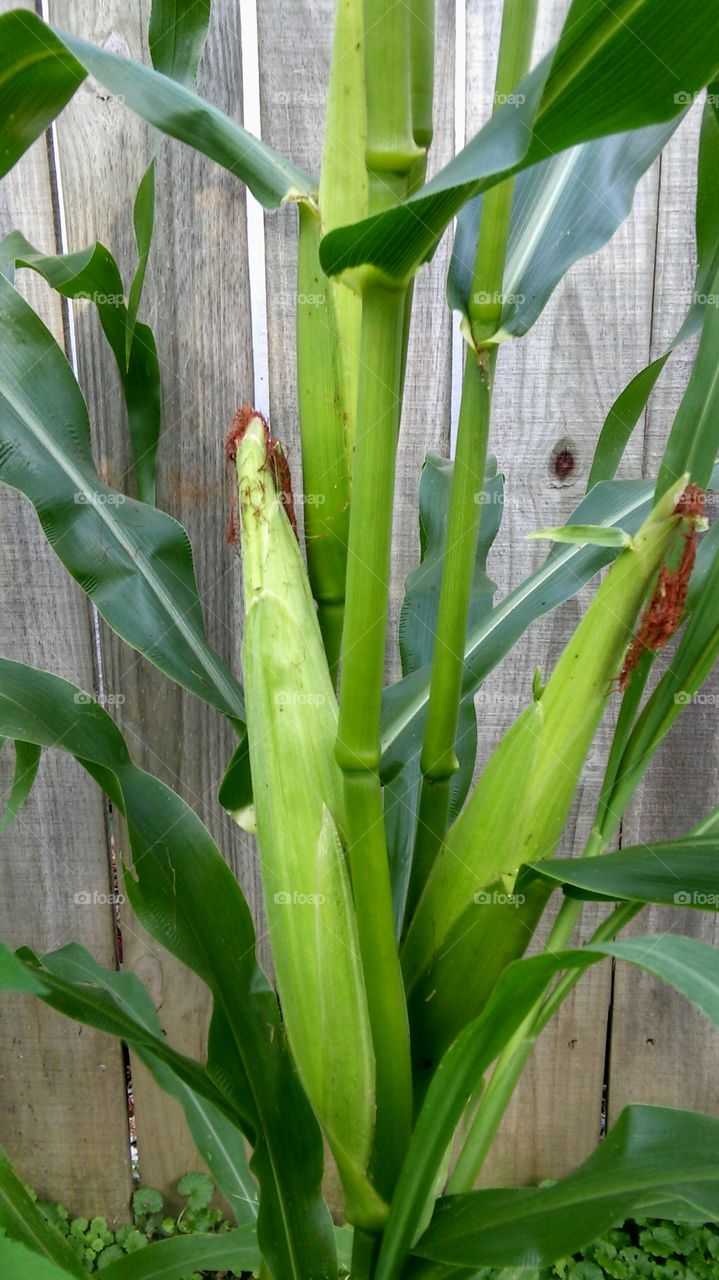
x: 292, y: 724
x: 522, y: 800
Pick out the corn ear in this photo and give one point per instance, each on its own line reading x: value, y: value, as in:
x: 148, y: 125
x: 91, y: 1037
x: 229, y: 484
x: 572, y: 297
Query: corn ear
x: 292, y: 726
x: 522, y: 800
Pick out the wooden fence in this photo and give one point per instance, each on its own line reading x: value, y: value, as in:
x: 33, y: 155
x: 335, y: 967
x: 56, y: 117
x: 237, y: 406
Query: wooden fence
x: 63, y: 1114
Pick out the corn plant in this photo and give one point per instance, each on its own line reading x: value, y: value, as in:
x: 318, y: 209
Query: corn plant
x: 402, y: 1008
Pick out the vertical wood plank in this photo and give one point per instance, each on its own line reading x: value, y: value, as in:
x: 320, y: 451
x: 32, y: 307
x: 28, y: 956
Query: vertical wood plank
x: 662, y: 1050
x: 553, y: 389
x: 63, y: 1106
x: 196, y: 300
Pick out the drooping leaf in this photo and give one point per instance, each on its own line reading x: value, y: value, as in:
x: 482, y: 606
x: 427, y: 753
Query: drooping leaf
x: 27, y: 761
x: 92, y: 275
x: 614, y: 69
x: 563, y: 209
x: 187, y: 898
x: 681, y: 873
x: 133, y: 561
x: 217, y: 1137
x: 35, y: 97
x: 653, y: 1154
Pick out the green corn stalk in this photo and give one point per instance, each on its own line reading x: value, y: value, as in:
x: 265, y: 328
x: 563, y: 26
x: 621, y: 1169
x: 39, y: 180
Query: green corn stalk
x: 522, y: 800
x: 292, y: 722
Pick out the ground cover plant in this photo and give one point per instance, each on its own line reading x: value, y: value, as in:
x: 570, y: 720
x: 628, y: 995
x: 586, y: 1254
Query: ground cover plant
x: 400, y: 896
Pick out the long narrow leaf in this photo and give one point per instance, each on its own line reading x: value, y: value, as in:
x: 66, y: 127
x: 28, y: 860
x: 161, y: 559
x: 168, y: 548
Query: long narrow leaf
x: 133, y: 561
x: 27, y: 761
x: 652, y: 1154
x: 92, y: 275
x: 563, y: 210
x: 33, y: 100
x: 23, y: 1222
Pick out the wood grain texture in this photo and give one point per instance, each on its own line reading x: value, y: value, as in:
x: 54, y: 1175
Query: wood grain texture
x: 553, y: 389
x: 196, y: 300
x: 662, y: 1050
x: 63, y: 1107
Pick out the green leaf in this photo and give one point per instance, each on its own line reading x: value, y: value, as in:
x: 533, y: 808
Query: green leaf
x: 680, y: 873
x: 629, y: 405
x: 177, y: 34
x: 133, y: 561
x: 187, y: 898
x: 563, y: 209
x: 27, y: 761
x: 175, y: 1259
x: 623, y: 504
x: 92, y: 275
x: 42, y: 75
x: 652, y: 1154
x: 625, y: 65
x: 40, y: 70
x: 216, y: 1136
x: 694, y: 438
x: 18, y: 1262
x: 585, y: 534
x: 24, y: 1223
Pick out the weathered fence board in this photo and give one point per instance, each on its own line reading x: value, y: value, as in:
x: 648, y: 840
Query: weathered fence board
x: 63, y: 1106
x: 553, y: 391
